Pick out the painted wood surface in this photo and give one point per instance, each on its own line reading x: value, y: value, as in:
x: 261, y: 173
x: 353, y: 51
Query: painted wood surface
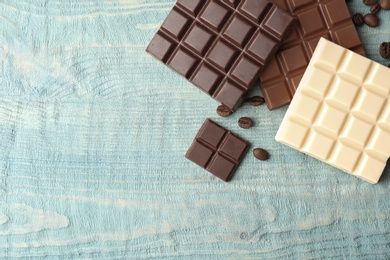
x: 93, y: 133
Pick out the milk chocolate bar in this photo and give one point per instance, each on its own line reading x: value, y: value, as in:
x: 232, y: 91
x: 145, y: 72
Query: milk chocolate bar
x: 221, y: 46
x: 323, y: 18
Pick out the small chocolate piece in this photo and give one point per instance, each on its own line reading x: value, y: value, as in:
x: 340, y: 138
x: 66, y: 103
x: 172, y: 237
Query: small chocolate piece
x: 358, y: 19
x: 375, y: 8
x: 217, y: 150
x: 385, y: 4
x: 221, y: 46
x: 371, y: 20
x: 370, y: 2
x: 261, y: 154
x: 316, y: 18
x: 256, y: 101
x: 384, y: 50
x: 223, y: 111
x: 245, y: 122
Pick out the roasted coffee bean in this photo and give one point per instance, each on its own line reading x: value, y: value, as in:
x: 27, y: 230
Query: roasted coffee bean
x: 385, y: 4
x: 223, y: 111
x: 375, y: 8
x: 370, y: 2
x: 384, y: 50
x: 358, y: 19
x: 256, y: 101
x: 371, y: 20
x: 245, y: 122
x: 261, y: 154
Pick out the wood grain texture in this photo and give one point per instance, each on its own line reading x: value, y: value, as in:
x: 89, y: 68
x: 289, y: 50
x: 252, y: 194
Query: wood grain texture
x: 93, y: 133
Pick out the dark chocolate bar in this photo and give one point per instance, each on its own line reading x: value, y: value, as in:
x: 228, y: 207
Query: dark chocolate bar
x: 221, y: 46
x: 323, y: 18
x: 217, y: 150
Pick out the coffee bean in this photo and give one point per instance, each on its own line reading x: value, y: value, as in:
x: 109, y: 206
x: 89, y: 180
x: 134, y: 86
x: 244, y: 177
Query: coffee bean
x: 384, y: 50
x: 245, y: 122
x: 385, y: 4
x: 261, y: 154
x: 358, y: 19
x: 375, y: 8
x: 256, y: 101
x: 371, y: 20
x: 223, y: 111
x: 370, y: 2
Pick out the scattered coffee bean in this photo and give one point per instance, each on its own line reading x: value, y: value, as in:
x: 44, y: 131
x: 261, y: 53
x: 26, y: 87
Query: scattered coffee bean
x: 256, y: 101
x: 261, y: 154
x: 385, y: 4
x: 358, y: 19
x: 370, y: 2
x: 223, y: 111
x: 384, y: 50
x: 371, y: 20
x: 245, y: 122
x: 375, y: 8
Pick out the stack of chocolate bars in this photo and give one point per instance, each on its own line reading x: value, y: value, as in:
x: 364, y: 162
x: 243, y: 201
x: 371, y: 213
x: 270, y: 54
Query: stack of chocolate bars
x: 304, y: 52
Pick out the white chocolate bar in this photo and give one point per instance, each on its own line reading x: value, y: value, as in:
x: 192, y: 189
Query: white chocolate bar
x: 341, y: 112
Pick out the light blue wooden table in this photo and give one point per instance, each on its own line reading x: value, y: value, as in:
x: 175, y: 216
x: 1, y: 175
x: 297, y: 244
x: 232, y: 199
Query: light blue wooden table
x: 93, y: 133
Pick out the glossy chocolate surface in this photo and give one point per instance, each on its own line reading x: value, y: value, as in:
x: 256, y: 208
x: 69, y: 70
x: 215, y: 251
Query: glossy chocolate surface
x: 323, y: 18
x: 221, y: 46
x: 217, y: 150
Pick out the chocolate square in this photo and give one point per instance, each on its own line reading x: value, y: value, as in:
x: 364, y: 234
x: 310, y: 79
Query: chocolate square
x: 222, y: 55
x: 206, y: 78
x: 217, y: 150
x: 183, y: 61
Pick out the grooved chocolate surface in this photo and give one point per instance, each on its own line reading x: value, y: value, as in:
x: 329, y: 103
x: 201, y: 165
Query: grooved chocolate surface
x: 217, y: 150
x: 341, y: 112
x: 321, y: 18
x: 221, y: 46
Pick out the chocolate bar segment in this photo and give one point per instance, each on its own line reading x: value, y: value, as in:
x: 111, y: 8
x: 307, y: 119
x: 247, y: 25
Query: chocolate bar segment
x: 217, y: 150
x: 323, y: 18
x: 221, y: 46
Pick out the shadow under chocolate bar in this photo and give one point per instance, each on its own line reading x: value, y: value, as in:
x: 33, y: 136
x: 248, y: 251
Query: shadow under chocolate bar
x: 221, y: 46
x: 329, y: 19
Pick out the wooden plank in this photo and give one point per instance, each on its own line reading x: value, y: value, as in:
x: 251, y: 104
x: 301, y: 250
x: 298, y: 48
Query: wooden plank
x: 93, y: 133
